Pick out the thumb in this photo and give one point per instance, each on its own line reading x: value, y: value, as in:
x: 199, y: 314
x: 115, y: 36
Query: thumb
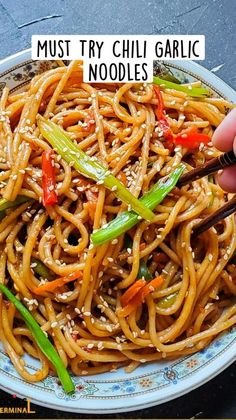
x: 225, y: 134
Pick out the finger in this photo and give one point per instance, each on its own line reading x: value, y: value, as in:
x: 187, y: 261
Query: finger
x: 225, y: 133
x: 227, y: 179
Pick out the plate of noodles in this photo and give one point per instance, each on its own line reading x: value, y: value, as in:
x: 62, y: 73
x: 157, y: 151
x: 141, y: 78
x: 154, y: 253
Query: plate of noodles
x: 108, y: 303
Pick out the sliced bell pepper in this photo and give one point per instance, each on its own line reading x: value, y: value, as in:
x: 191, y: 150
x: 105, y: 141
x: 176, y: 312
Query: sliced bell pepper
x: 191, y: 140
x: 163, y: 123
x: 88, y: 166
x: 48, y: 178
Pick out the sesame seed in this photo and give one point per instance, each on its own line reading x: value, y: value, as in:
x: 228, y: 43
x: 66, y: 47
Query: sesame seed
x: 77, y: 310
x: 109, y: 328
x: 90, y: 345
x: 33, y: 265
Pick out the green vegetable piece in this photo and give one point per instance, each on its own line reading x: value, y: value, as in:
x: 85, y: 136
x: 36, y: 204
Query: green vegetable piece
x: 163, y: 72
x: 211, y: 179
x: 167, y: 301
x: 6, y: 204
x: 143, y: 271
x: 43, y: 342
x: 42, y: 270
x: 89, y: 167
x: 128, y: 243
x: 127, y: 219
x: 233, y: 258
x: 2, y: 214
x: 193, y: 91
x: 169, y: 77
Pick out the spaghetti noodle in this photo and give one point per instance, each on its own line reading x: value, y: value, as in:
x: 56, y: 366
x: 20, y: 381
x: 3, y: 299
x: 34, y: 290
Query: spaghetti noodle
x: 82, y: 316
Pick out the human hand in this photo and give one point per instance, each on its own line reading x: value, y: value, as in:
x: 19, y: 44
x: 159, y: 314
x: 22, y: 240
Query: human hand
x: 224, y: 139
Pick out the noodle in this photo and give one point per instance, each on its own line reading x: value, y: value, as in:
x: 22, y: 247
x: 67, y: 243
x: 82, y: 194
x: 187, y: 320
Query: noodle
x: 82, y: 319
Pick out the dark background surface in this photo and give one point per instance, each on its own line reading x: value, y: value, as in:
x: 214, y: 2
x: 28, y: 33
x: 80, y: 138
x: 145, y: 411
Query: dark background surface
x: 19, y: 19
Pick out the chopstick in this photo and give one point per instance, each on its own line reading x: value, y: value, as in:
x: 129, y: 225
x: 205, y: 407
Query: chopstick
x: 223, y: 212
x: 210, y: 167
x: 213, y: 165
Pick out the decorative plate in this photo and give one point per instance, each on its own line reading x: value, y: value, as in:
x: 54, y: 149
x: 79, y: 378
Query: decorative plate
x: 151, y: 384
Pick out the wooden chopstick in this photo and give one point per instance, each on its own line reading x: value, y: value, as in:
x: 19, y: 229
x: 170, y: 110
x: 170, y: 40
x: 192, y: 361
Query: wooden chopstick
x: 226, y: 210
x: 213, y: 165
x: 210, y: 167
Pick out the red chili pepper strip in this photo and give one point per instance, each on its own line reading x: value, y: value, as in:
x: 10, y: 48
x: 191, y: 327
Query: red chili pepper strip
x: 162, y: 120
x: 48, y: 178
x: 191, y: 140
x: 160, y: 105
